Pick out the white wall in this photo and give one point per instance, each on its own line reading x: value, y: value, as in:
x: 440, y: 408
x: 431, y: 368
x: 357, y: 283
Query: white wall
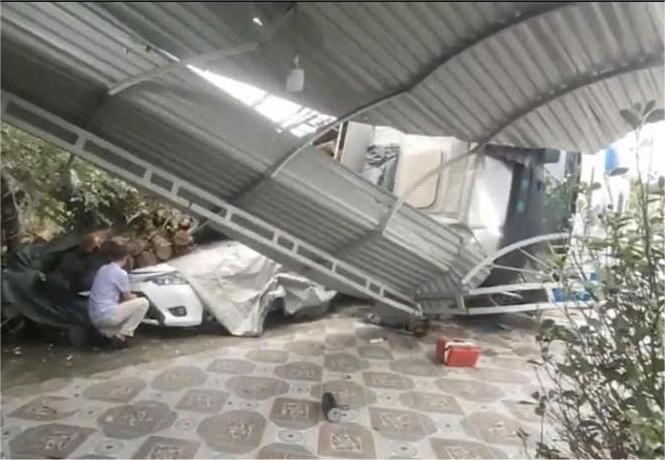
x: 475, y: 193
x: 420, y: 154
x: 359, y: 136
x: 449, y: 193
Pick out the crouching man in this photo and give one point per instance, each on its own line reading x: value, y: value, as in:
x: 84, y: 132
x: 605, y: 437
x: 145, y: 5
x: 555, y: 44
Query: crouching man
x: 114, y: 310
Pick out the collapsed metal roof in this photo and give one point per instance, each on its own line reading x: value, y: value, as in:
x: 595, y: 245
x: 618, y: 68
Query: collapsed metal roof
x: 537, y: 74
x: 534, y: 74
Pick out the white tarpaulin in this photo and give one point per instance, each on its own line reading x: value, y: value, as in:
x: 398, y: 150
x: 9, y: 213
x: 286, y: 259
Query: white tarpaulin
x: 239, y: 286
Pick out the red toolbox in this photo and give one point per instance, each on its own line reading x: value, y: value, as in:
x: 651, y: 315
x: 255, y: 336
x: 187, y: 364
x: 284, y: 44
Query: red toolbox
x: 456, y: 352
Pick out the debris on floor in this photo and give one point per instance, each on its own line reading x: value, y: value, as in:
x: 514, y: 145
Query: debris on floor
x: 386, y: 317
x: 329, y: 407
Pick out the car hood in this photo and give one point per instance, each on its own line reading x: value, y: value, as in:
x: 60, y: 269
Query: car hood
x: 148, y: 272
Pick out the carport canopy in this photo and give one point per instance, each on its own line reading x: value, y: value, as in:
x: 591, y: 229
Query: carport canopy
x: 532, y: 74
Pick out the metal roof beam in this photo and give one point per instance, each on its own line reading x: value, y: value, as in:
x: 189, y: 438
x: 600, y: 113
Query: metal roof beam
x: 278, y: 165
x: 247, y: 47
x: 200, y: 59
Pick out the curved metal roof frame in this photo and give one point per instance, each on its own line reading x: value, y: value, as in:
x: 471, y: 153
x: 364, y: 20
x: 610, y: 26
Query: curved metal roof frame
x: 464, y: 69
x: 651, y: 59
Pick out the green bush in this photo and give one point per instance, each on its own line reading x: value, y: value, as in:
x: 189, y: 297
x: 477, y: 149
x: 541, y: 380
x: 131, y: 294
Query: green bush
x: 57, y: 192
x: 601, y: 368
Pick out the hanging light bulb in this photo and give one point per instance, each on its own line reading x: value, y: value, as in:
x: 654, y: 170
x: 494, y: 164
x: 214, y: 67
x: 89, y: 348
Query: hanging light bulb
x: 295, y: 81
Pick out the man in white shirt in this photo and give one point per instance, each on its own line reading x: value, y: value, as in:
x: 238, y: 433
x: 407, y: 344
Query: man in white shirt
x: 114, y: 310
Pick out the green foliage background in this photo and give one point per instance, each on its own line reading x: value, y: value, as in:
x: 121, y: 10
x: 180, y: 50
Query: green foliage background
x: 602, y: 368
x: 57, y: 192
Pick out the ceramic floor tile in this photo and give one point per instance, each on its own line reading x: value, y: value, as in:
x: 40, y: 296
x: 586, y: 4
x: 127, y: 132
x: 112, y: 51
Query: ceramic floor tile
x: 254, y: 399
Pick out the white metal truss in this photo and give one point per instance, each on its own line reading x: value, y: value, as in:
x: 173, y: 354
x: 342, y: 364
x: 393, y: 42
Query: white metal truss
x: 546, y: 288
x: 230, y: 219
x: 489, y: 260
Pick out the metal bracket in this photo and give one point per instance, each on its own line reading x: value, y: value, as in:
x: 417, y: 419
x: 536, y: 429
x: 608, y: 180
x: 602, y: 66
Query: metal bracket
x: 200, y: 59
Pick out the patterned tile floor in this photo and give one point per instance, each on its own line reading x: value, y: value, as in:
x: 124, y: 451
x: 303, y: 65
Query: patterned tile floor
x: 260, y: 398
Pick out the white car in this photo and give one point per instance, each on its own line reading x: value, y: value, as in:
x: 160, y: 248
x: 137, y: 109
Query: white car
x: 173, y: 301
x: 236, y: 287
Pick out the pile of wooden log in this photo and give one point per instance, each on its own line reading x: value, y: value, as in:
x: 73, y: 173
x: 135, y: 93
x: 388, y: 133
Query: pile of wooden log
x: 157, y: 236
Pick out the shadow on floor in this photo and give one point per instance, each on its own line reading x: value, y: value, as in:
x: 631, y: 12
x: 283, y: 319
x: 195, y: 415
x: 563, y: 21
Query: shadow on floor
x: 40, y: 353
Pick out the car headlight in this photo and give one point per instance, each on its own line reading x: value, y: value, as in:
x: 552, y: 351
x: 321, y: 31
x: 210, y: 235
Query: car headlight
x: 168, y: 279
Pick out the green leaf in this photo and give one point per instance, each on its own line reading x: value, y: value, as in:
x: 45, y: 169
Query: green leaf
x: 649, y: 107
x: 630, y: 118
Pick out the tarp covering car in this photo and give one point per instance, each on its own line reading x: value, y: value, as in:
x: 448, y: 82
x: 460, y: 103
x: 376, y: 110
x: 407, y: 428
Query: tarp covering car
x: 239, y: 286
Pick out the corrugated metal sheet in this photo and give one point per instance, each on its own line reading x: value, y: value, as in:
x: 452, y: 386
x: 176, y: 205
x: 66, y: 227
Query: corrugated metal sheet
x: 354, y: 53
x: 489, y: 84
x: 471, y: 69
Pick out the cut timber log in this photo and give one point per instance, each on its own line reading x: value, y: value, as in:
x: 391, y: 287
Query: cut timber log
x: 163, y: 249
x: 182, y: 238
x: 136, y: 247
x: 145, y: 259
